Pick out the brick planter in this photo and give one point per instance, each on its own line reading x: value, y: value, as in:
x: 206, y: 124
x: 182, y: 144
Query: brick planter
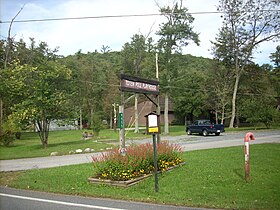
x: 127, y: 183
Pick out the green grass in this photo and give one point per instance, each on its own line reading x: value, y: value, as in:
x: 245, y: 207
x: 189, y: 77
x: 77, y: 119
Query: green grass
x: 211, y: 178
x: 64, y: 141
x: 59, y: 141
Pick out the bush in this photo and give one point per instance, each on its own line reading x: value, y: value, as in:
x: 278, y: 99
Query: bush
x: 7, y: 138
x: 97, y: 124
x: 8, y: 130
x: 137, y: 162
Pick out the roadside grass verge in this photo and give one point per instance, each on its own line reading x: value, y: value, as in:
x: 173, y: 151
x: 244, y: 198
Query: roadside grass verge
x: 212, y: 178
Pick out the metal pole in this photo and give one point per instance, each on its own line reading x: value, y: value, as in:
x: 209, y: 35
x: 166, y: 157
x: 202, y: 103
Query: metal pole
x: 248, y: 136
x: 247, y: 163
x: 155, y: 162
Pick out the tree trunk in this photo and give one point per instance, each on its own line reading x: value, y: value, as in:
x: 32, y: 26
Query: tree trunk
x: 223, y: 115
x: 91, y: 118
x: 1, y: 114
x: 136, y: 114
x: 111, y: 119
x: 81, y: 119
x: 216, y: 117
x: 43, y: 131
x: 233, y: 102
x: 115, y: 118
x: 166, y: 123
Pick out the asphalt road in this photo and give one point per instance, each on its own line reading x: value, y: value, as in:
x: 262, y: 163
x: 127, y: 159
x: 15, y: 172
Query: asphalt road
x: 14, y: 199
x: 188, y: 143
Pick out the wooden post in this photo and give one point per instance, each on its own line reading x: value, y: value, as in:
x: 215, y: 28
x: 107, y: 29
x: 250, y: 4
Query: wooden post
x: 155, y: 162
x: 122, y: 125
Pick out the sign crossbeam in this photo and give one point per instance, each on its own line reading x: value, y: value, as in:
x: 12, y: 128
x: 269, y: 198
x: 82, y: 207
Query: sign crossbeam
x: 139, y: 85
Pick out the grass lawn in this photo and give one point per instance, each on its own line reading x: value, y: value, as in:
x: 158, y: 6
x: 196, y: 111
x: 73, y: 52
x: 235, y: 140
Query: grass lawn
x: 211, y: 178
x: 60, y: 141
x: 64, y: 141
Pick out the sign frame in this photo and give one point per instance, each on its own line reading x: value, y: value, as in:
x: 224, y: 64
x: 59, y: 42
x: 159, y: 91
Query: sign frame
x: 154, y: 126
x: 138, y: 85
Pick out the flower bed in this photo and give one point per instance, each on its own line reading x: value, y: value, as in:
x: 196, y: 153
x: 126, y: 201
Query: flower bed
x: 137, y: 163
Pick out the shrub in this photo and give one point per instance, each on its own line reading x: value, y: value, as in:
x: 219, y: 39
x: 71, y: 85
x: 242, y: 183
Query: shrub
x: 137, y: 162
x: 97, y: 124
x: 8, y: 130
x: 7, y: 138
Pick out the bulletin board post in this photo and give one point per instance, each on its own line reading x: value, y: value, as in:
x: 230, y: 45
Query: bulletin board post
x: 153, y: 127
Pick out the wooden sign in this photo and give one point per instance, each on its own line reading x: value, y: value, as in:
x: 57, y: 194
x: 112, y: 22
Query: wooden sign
x: 139, y: 85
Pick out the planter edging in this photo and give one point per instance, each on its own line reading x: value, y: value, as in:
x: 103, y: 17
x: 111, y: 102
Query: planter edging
x: 127, y: 183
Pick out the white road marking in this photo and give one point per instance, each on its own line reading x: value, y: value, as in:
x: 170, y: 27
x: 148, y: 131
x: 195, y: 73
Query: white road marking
x: 58, y: 202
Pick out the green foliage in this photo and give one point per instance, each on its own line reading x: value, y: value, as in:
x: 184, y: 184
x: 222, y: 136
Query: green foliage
x: 37, y: 88
x: 174, y: 34
x: 97, y: 124
x: 138, y: 161
x: 260, y: 110
x: 6, y: 137
x: 135, y: 55
x: 275, y: 57
x: 9, y: 130
x: 246, y: 24
x: 177, y: 31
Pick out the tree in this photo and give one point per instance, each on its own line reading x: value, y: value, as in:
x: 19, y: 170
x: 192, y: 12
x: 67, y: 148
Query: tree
x: 275, y: 73
x: 134, y: 55
x: 46, y: 91
x: 257, y: 97
x: 275, y: 57
x: 176, y: 33
x: 218, y: 89
x: 37, y: 90
x: 187, y: 93
x: 258, y: 110
x: 246, y: 24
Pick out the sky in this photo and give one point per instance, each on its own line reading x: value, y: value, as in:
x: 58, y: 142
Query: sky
x: 89, y: 35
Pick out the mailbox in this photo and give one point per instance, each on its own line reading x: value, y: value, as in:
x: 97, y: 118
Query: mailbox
x: 152, y: 123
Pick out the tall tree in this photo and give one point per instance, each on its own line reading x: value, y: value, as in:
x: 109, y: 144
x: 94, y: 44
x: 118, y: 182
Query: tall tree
x: 275, y: 73
x: 134, y: 55
x: 38, y: 90
x: 275, y: 57
x: 257, y: 101
x: 218, y: 89
x: 174, y: 34
x: 246, y: 24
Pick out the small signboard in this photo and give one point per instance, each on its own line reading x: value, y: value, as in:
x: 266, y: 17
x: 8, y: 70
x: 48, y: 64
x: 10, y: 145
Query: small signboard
x: 121, y: 120
x: 139, y: 85
x: 152, y: 123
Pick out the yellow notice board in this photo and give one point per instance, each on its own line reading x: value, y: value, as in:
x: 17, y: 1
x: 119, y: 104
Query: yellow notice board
x: 153, y: 130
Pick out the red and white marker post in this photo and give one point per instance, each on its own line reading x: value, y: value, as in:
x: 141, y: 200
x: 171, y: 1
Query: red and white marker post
x: 249, y: 136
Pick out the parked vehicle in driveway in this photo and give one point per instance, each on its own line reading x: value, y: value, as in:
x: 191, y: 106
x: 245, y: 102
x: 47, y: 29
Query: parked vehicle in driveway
x: 205, y: 127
